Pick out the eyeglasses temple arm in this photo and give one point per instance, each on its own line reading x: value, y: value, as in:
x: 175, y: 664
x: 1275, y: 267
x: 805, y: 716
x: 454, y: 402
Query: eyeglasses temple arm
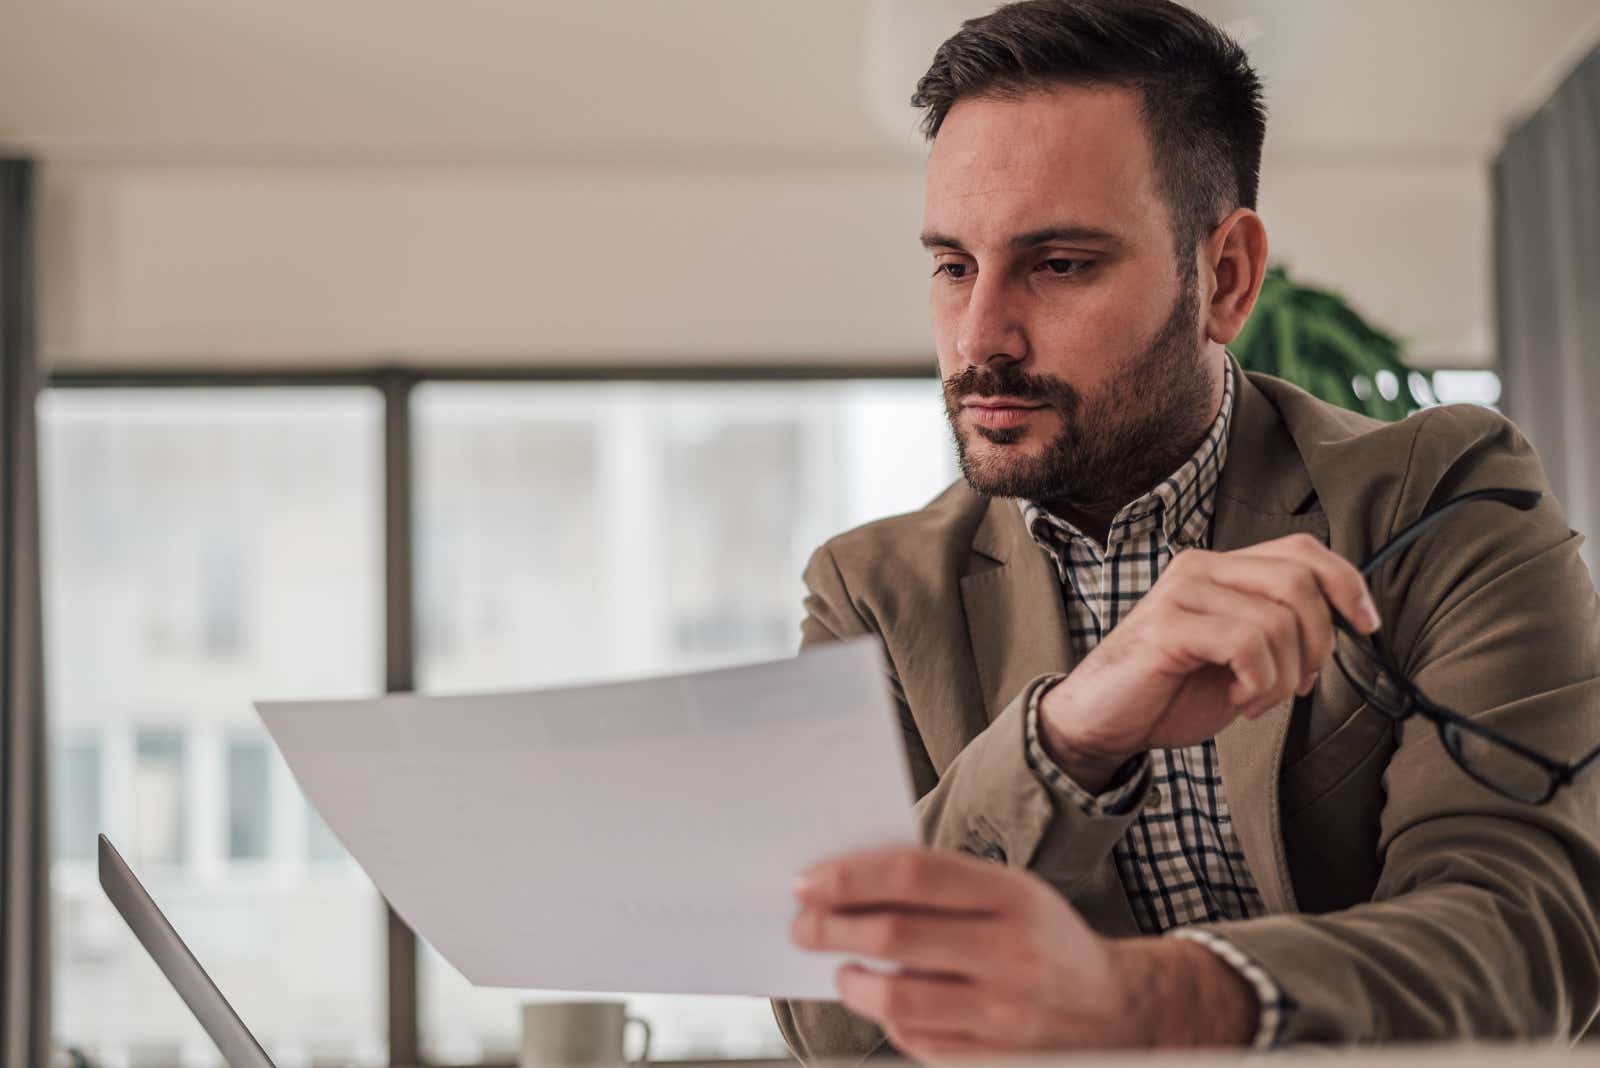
x: 1584, y: 763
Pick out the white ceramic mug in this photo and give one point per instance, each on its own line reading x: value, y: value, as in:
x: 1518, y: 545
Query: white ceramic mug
x: 577, y: 1032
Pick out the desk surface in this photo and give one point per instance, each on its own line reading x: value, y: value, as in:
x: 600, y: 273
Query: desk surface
x: 1484, y: 1055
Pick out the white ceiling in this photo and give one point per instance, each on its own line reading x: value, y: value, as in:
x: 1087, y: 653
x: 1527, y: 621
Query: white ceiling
x: 259, y: 184
x: 707, y: 82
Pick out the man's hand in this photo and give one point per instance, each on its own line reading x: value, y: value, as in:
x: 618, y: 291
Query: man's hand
x: 994, y: 960
x: 1218, y: 635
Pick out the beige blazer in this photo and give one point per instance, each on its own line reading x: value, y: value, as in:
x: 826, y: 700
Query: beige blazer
x: 1403, y: 900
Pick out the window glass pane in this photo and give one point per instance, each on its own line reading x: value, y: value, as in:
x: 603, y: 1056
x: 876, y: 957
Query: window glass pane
x: 158, y: 797
x: 1474, y: 387
x: 574, y: 532
x: 75, y: 798
x: 204, y: 548
x: 321, y: 846
x: 249, y: 798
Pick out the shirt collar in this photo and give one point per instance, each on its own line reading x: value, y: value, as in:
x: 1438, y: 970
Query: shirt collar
x: 1179, y: 507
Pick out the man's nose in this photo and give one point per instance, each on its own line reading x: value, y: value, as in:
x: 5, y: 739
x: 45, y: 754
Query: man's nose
x: 990, y: 328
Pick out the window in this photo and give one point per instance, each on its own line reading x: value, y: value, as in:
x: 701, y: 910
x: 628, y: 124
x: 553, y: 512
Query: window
x: 581, y: 531
x: 75, y: 780
x: 207, y: 547
x: 204, y: 548
x: 159, y: 805
x: 223, y: 607
x: 249, y: 798
x: 1475, y: 387
x: 321, y: 846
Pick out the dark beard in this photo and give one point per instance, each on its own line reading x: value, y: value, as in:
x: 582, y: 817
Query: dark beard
x: 1149, y: 420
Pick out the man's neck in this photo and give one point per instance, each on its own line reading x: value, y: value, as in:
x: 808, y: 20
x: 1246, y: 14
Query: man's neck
x: 1095, y: 522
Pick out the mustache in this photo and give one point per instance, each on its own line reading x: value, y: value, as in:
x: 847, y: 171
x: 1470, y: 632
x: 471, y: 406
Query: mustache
x: 1008, y: 380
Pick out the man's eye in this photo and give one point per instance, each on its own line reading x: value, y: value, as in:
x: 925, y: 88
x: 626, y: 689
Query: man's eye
x: 951, y: 270
x: 1067, y: 267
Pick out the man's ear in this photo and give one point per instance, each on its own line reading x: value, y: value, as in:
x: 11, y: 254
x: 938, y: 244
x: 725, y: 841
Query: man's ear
x: 1234, y: 258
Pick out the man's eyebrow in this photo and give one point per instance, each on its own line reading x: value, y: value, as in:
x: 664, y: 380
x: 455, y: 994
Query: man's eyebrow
x: 1066, y: 234
x: 931, y: 240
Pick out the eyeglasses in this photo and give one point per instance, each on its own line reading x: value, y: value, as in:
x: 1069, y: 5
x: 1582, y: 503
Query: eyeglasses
x: 1503, y: 764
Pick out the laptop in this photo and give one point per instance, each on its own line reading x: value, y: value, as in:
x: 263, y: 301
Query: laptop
x: 238, y: 1046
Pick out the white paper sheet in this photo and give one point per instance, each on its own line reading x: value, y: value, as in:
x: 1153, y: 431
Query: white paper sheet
x: 638, y: 836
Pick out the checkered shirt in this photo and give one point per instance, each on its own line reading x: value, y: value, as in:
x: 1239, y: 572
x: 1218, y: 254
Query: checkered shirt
x: 1180, y: 862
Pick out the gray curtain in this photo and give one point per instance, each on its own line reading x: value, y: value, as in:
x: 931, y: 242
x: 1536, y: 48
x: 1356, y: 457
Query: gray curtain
x: 1547, y: 257
x: 24, y: 897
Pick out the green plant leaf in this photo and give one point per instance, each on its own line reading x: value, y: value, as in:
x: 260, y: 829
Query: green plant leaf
x: 1312, y: 337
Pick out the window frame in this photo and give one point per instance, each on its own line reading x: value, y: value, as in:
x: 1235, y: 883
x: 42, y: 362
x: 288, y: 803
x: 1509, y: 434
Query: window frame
x: 395, y: 385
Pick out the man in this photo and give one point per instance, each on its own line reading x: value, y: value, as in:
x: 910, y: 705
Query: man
x: 1157, y: 815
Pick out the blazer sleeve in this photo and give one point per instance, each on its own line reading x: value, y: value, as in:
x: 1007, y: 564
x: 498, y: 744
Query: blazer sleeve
x: 1484, y: 922
x: 988, y: 802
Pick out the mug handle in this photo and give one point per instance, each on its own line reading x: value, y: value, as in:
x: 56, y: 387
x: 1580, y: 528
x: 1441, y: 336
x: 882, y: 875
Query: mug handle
x: 644, y: 1052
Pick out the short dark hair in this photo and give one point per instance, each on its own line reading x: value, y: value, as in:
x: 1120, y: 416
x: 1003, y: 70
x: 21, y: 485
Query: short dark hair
x: 1202, y: 101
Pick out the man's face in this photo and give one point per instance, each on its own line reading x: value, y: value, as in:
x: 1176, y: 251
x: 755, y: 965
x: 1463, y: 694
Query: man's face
x: 1068, y: 339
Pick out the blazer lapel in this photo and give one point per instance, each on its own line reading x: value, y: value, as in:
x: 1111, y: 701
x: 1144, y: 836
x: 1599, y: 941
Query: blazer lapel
x: 1015, y: 618
x: 1264, y: 493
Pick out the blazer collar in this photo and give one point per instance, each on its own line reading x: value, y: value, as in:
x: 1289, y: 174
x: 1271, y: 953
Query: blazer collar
x: 1265, y: 493
x: 997, y: 538
x: 1011, y: 595
x: 1264, y: 484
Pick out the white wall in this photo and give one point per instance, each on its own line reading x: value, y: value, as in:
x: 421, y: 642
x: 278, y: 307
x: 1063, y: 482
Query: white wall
x: 294, y: 265
x: 230, y: 265
x: 1409, y: 243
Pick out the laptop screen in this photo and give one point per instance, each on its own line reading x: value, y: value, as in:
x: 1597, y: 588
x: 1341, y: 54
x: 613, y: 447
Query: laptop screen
x: 238, y: 1046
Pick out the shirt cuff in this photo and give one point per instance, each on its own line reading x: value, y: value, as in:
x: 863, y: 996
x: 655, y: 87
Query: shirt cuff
x: 1275, y: 1004
x: 1126, y: 786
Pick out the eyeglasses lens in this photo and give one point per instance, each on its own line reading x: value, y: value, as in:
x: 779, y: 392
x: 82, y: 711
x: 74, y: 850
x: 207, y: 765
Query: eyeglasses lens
x: 1496, y: 766
x: 1365, y: 671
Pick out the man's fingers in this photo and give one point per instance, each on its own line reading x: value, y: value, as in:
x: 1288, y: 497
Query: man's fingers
x: 1291, y: 584
x: 914, y: 877
x: 1341, y: 581
x: 947, y: 943
x: 938, y: 1047
x: 1276, y: 621
x: 930, y: 1007
x: 1236, y: 644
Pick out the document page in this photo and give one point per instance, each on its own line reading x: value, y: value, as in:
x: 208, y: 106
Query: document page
x: 633, y: 836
